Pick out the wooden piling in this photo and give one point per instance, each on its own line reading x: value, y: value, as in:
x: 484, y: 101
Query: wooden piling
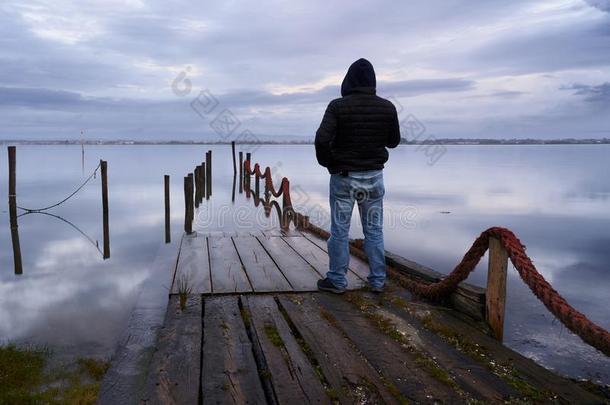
x: 12, y: 204
x: 197, y: 179
x: 168, y: 237
x: 211, y: 175
x: 104, y: 171
x: 241, y: 172
x: 204, y: 184
x: 233, y: 153
x: 495, y: 296
x: 208, y: 174
x: 188, y: 204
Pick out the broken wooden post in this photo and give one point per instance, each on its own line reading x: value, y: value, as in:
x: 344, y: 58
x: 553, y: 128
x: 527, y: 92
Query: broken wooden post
x: 168, y: 237
x: 241, y: 172
x: 104, y: 170
x: 12, y: 204
x: 495, y: 296
x: 203, y: 181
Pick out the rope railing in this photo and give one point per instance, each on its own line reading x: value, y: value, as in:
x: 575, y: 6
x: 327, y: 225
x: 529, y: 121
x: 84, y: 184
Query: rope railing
x: 288, y: 213
x: 79, y: 188
x: 574, y: 320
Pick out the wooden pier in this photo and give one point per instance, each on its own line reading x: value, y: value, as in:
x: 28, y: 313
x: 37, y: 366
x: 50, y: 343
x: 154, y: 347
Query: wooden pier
x: 245, y: 324
x: 253, y: 330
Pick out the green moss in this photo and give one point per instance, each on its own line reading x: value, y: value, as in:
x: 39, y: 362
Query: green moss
x: 274, y: 336
x: 95, y: 368
x: 21, y: 373
x: 25, y: 378
x: 435, y: 371
x: 479, y: 353
x: 394, y: 391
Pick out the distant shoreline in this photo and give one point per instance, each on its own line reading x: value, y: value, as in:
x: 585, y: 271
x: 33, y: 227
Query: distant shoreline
x: 460, y: 141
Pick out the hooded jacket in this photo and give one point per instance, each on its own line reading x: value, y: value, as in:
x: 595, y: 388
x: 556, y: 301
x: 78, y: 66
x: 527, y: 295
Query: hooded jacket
x: 358, y: 127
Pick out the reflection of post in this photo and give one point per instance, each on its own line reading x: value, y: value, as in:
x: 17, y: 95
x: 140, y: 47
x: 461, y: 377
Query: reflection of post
x: 241, y: 172
x: 12, y: 205
x: 104, y: 170
x: 233, y: 152
x: 234, y: 181
x: 168, y: 237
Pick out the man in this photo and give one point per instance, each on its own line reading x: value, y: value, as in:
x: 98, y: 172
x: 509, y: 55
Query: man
x: 351, y: 143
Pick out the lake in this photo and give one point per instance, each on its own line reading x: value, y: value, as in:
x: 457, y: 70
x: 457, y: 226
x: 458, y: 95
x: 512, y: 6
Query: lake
x: 555, y: 198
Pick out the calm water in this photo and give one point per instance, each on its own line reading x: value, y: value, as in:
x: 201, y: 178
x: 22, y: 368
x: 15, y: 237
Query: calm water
x: 555, y: 198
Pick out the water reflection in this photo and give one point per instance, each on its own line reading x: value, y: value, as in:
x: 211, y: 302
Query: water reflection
x: 551, y: 197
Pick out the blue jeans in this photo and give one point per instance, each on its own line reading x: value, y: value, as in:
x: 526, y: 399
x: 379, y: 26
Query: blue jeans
x: 366, y: 189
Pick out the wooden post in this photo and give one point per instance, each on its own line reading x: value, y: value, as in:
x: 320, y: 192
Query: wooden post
x: 247, y: 175
x: 211, y: 175
x: 233, y: 153
x: 12, y: 205
x: 188, y: 204
x: 104, y: 170
x: 197, y: 185
x: 208, y: 174
x: 168, y: 237
x: 241, y: 172
x: 204, y: 184
x: 495, y: 296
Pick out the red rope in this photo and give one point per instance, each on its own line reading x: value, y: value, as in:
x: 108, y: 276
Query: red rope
x: 574, y: 320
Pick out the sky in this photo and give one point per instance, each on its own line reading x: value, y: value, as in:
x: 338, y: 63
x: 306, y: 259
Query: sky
x: 186, y: 70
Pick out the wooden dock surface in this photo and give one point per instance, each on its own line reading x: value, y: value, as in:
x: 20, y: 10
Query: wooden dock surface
x: 254, y: 332
x: 256, y: 262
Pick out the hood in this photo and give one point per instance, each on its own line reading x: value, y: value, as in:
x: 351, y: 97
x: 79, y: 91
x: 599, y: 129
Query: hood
x: 360, y: 78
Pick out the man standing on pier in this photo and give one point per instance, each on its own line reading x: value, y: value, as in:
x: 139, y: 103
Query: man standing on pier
x: 351, y: 143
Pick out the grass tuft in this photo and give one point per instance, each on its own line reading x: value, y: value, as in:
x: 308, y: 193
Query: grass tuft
x: 184, y: 290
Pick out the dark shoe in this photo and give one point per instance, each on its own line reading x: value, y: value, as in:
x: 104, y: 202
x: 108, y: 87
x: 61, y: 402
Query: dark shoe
x: 327, y: 285
x: 374, y: 290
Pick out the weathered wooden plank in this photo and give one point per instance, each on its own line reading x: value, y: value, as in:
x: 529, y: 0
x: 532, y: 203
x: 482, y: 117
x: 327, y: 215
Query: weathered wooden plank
x: 227, y: 271
x: 318, y: 259
x: 353, y: 380
x: 302, y: 275
x: 229, y: 374
x: 261, y: 270
x: 193, y: 265
x: 472, y: 376
x: 123, y: 383
x: 522, y: 368
x: 282, y: 232
x: 356, y: 265
x: 174, y: 374
x: 396, y: 363
x: 292, y: 375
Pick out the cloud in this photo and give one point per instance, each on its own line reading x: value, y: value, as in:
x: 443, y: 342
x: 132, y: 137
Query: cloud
x: 109, y: 66
x: 603, y: 5
x: 592, y: 93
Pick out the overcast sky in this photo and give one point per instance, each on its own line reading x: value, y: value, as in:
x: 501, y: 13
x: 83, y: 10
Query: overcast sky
x: 484, y: 68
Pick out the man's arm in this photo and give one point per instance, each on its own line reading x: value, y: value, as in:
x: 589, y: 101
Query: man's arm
x: 325, y: 135
x: 394, y: 135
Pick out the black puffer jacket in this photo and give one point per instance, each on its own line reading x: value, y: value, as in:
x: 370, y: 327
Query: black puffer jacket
x: 358, y: 127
